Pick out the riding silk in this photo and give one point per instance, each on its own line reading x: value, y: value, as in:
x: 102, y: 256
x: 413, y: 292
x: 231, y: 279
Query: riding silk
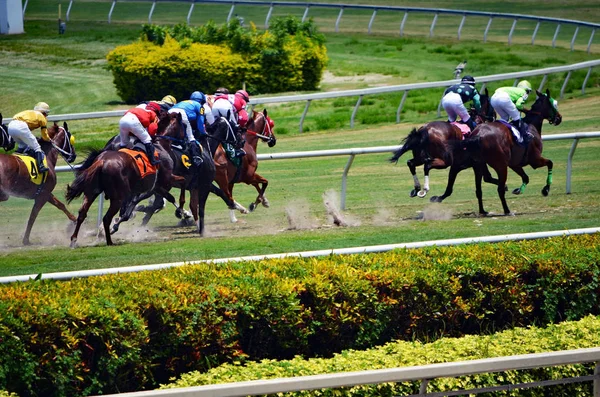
x: 516, y: 133
x: 142, y: 162
x: 31, y: 164
x: 463, y: 128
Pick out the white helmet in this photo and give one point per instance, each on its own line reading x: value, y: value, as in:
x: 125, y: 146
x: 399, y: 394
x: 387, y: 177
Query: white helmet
x: 42, y: 107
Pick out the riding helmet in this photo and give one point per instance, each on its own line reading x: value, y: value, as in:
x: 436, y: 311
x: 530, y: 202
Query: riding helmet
x: 243, y: 94
x: 42, y: 107
x: 526, y: 85
x: 155, y: 107
x: 198, y: 97
x: 169, y: 99
x: 222, y: 91
x: 468, y: 80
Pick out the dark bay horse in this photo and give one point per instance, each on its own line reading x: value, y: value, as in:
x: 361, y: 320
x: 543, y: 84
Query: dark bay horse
x: 117, y: 175
x: 6, y: 141
x: 259, y: 127
x: 16, y: 180
x: 435, y: 146
x: 493, y: 144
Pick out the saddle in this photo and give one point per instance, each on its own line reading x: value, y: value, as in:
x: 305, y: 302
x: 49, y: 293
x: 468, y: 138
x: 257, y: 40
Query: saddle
x: 466, y: 131
x: 31, y: 164
x: 141, y: 160
x: 515, y: 132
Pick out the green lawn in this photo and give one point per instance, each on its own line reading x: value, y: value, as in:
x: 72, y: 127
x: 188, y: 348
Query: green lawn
x: 68, y: 72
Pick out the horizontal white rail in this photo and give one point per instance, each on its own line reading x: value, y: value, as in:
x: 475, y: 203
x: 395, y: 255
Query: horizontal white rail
x: 423, y: 373
x: 304, y: 254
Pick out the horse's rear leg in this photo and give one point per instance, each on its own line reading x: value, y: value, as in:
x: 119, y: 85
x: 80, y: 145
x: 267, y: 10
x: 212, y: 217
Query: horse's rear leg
x: 478, y: 192
x: 58, y: 204
x: 502, y: 171
x: 37, y: 206
x: 412, y: 165
x: 201, y: 196
x: 449, y: 186
x: 541, y: 162
x: 87, y: 202
x: 524, y: 179
x: 115, y: 205
x: 260, y: 184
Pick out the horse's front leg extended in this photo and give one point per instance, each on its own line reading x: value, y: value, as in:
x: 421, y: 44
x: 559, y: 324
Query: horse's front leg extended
x: 524, y: 179
x: 37, y: 206
x: 58, y: 204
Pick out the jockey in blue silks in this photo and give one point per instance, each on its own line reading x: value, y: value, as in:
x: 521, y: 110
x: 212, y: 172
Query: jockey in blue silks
x: 194, y: 122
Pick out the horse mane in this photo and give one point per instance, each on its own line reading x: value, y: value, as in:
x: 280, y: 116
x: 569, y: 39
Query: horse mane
x: 89, y: 160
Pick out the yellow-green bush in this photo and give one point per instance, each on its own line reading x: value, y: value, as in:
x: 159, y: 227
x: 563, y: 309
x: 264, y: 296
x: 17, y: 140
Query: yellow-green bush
x: 178, y: 60
x: 566, y: 336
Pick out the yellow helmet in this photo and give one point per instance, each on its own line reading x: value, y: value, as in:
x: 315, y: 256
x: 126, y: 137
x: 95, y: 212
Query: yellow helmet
x: 170, y: 99
x: 42, y: 107
x: 526, y: 85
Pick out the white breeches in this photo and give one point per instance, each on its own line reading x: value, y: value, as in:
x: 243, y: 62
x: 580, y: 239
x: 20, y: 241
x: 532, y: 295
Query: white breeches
x: 220, y: 109
x: 131, y: 124
x: 505, y: 107
x: 22, y: 135
x: 208, y: 116
x: 453, y: 105
x: 184, y: 119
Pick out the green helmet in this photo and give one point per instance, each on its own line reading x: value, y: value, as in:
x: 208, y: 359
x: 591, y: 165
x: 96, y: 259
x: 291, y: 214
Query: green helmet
x: 526, y: 85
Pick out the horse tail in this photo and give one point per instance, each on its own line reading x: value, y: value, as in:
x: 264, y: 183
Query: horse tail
x: 418, y: 138
x: 89, y: 176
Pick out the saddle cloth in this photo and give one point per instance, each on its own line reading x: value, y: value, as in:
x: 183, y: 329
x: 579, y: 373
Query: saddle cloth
x: 515, y: 132
x: 31, y: 164
x: 463, y: 128
x: 142, y: 162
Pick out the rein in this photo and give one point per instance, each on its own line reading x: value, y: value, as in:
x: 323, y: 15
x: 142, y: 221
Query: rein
x: 63, y: 152
x: 266, y: 127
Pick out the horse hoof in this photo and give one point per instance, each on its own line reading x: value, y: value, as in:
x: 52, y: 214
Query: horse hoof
x: 517, y: 191
x: 422, y: 193
x: 413, y: 193
x: 26, y: 242
x: 178, y: 213
x: 251, y: 207
x: 187, y: 215
x: 266, y: 204
x: 73, y: 243
x: 545, y: 191
x: 435, y: 199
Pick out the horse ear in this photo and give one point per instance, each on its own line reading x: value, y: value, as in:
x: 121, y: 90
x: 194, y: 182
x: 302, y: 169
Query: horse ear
x: 548, y: 92
x: 487, y: 93
x: 65, y: 126
x: 265, y: 112
x: 538, y: 93
x: 55, y: 124
x: 0, y: 118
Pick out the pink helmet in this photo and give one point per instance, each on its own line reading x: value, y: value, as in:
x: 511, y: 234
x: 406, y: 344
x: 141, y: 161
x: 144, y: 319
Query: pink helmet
x: 243, y: 94
x: 155, y: 107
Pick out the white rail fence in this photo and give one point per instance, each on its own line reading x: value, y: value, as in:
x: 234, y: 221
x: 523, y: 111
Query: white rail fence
x: 422, y: 373
x: 374, y: 9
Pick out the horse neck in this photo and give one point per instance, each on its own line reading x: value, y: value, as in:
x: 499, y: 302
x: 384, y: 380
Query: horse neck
x: 50, y: 152
x: 252, y: 140
x: 535, y: 119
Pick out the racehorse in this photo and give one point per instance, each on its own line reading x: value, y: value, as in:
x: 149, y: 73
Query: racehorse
x: 259, y: 127
x: 434, y: 145
x: 493, y: 144
x: 6, y: 141
x: 16, y: 177
x: 117, y: 175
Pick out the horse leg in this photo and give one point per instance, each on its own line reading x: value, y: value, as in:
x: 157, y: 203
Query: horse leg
x: 449, y: 186
x: 201, y: 196
x: 412, y: 164
x: 541, y: 162
x: 238, y: 206
x: 127, y: 209
x: 524, y: 179
x: 502, y: 171
x: 115, y: 205
x: 478, y: 192
x: 87, y: 202
x: 37, y: 206
x: 260, y: 184
x: 58, y: 204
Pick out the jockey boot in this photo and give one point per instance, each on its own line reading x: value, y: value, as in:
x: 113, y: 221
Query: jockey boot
x: 472, y: 124
x: 196, y: 152
x: 524, y: 130
x: 150, y: 153
x: 240, y: 152
x: 39, y: 157
x: 20, y: 150
x: 517, y: 125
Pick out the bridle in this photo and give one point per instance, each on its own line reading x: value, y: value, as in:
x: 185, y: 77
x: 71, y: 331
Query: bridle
x: 267, y: 132
x: 67, y: 151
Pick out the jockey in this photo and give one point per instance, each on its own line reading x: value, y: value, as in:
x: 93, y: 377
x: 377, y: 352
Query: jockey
x: 143, y: 123
x: 193, y: 117
x: 233, y: 109
x: 509, y: 101
x: 166, y: 103
x: 454, y: 98
x: 20, y: 129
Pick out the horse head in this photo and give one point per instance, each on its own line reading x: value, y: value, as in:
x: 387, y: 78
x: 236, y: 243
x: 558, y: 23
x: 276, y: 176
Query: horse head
x: 262, y: 122
x: 63, y: 141
x: 487, y: 112
x: 546, y: 107
x: 172, y: 126
x: 6, y: 141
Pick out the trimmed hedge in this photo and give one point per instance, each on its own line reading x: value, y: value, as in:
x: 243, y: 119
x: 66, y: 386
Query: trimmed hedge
x: 129, y: 332
x: 177, y: 60
x: 566, y: 336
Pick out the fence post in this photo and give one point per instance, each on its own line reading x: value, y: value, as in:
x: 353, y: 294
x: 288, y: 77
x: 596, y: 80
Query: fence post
x: 555, y: 35
x: 230, y: 12
x: 337, y: 21
x: 305, y: 13
x: 587, y: 76
x: 189, y: 15
x: 112, y: 7
x: 151, y: 11
x: 304, y: 114
x: 543, y: 82
x: 574, y: 36
x: 355, y: 110
x: 268, y: 16
x: 433, y: 25
x: 404, y: 22
x: 69, y: 10
x: 562, y: 90
x: 569, y: 167
x: 100, y: 211
x: 537, y: 26
x: 462, y: 22
x: 401, y: 106
x: 345, y: 180
x: 591, y: 39
x: 487, y: 29
x: 372, y: 19
x: 597, y: 381
x: 512, y: 30
x: 423, y: 387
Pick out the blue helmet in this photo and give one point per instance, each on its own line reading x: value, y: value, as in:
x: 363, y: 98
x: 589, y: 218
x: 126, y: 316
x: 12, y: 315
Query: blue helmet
x: 198, y: 97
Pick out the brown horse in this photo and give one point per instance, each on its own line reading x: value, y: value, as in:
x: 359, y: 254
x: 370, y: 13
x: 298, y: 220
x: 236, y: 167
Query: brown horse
x: 259, y: 127
x: 117, y: 175
x: 435, y: 144
x: 493, y: 144
x: 16, y: 180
